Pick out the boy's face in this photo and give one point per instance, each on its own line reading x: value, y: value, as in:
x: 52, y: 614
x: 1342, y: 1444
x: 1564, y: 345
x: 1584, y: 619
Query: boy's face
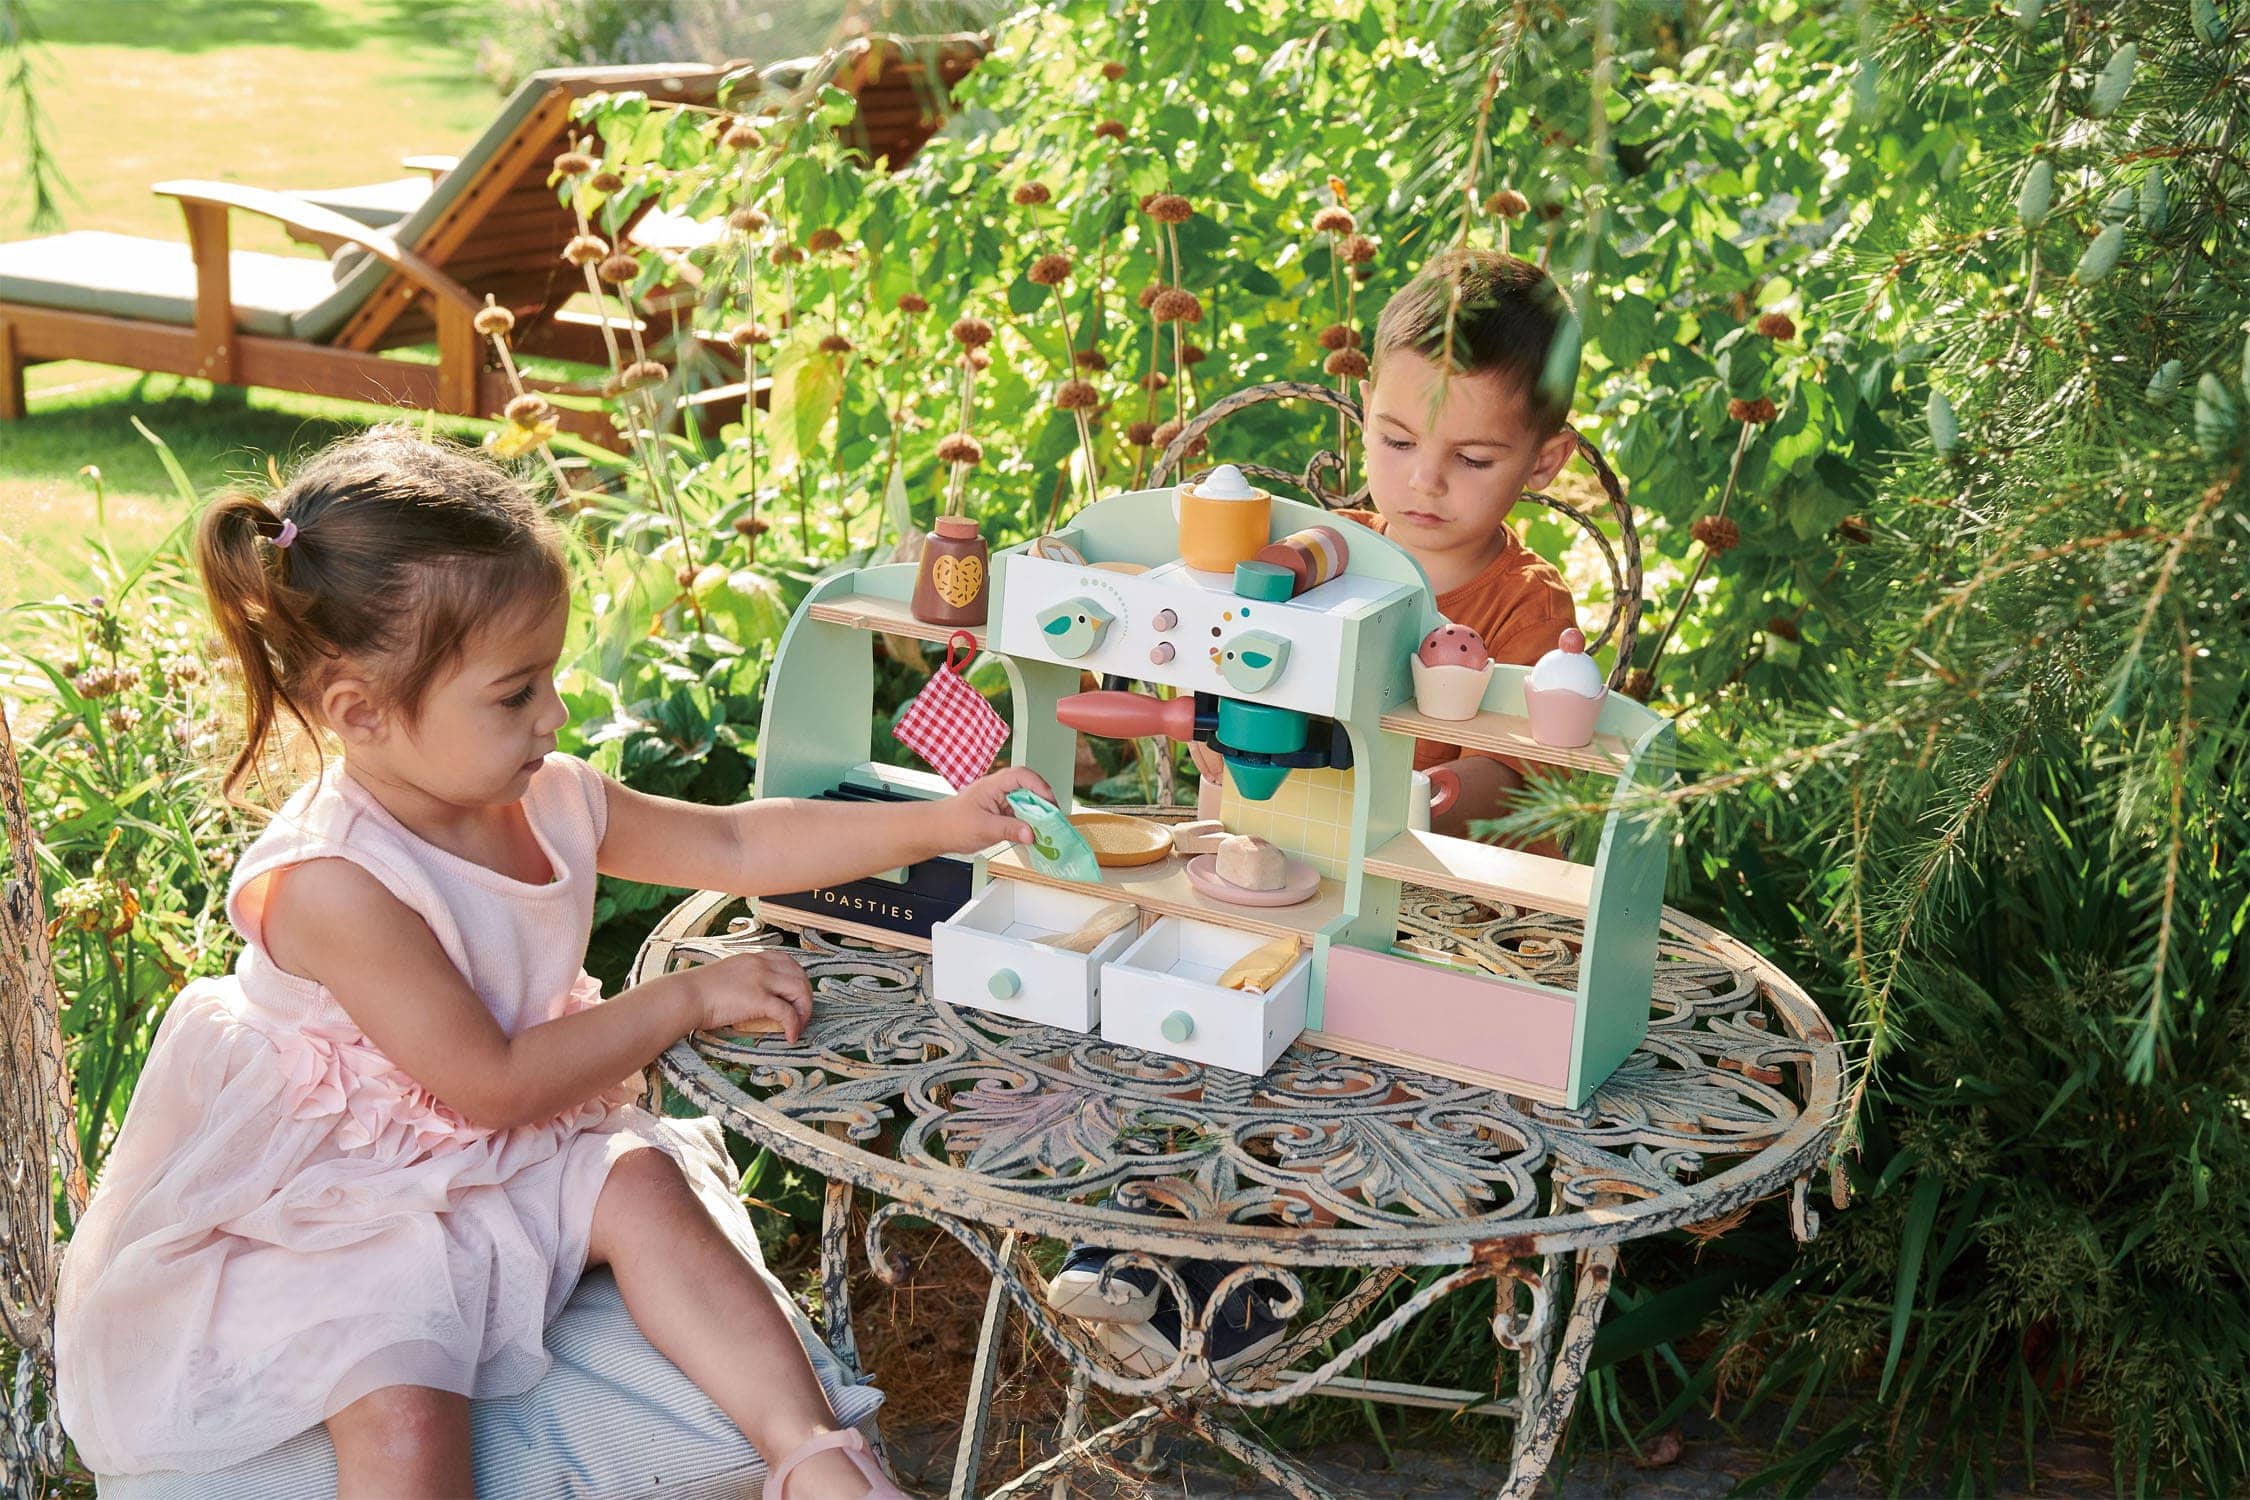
x: 1448, y: 455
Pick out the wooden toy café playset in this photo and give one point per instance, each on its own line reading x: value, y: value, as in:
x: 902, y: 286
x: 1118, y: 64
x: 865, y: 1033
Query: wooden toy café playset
x: 1308, y: 653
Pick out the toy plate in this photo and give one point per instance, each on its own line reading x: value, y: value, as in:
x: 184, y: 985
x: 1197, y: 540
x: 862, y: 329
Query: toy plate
x: 1302, y: 885
x: 1121, y: 841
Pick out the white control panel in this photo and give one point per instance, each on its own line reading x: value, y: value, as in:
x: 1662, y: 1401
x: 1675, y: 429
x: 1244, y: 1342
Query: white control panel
x: 1176, y: 626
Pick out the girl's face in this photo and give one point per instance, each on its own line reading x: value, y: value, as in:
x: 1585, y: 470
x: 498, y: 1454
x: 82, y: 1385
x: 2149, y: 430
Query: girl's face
x: 485, y: 725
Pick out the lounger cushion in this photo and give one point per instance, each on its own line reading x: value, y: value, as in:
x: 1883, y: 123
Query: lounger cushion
x: 153, y: 281
x: 612, y: 1418
x: 378, y: 205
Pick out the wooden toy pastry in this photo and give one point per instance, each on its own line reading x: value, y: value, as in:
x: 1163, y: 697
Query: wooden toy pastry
x: 1252, y: 863
x: 1088, y: 935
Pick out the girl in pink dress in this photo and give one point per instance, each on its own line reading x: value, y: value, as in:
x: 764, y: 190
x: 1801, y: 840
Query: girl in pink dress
x: 360, y: 1174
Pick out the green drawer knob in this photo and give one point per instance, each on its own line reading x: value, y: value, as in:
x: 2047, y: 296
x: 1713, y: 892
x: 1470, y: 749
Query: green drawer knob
x: 1178, y: 1026
x: 1004, y: 984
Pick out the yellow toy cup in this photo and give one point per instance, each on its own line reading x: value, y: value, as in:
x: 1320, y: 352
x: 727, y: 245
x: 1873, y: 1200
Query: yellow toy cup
x: 1216, y: 534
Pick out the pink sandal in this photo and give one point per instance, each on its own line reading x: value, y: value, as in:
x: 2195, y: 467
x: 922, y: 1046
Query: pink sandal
x: 854, y: 1446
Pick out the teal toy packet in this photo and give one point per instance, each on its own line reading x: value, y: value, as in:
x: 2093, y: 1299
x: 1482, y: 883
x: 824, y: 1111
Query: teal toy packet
x: 1057, y: 848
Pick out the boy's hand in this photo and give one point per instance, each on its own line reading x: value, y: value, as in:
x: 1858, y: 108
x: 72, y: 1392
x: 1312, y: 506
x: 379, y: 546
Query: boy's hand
x: 978, y: 816
x: 1208, y: 762
x: 761, y: 993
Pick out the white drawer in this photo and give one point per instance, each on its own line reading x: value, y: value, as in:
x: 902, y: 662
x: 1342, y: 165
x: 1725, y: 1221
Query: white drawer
x: 984, y: 957
x: 1169, y: 976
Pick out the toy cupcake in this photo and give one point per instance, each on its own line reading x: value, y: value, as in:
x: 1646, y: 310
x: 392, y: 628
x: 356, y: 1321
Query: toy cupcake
x: 1563, y: 695
x: 1450, y: 673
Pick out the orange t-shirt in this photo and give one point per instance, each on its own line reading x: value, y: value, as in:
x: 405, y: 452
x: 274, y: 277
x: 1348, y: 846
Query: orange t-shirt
x: 1520, y: 606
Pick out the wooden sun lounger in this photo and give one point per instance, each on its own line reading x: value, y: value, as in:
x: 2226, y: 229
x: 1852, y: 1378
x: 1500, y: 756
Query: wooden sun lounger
x: 490, y: 226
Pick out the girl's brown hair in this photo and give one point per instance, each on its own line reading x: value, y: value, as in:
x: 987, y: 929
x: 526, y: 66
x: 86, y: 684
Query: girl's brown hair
x: 385, y: 550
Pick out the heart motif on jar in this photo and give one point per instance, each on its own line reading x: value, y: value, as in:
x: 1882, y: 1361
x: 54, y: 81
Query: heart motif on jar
x: 958, y: 580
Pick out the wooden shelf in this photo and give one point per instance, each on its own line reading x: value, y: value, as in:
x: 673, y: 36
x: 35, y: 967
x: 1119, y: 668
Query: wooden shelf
x: 1510, y: 735
x: 1163, y: 888
x: 873, y: 612
x: 1469, y: 868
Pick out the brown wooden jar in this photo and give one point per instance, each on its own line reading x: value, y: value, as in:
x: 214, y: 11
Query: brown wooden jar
x: 954, y: 584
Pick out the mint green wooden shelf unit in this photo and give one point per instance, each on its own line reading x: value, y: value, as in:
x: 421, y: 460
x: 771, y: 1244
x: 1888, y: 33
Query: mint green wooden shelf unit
x: 1363, y: 999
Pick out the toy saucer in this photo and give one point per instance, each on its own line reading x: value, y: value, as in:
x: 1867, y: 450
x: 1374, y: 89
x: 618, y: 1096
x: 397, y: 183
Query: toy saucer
x: 1302, y: 885
x: 1121, y: 841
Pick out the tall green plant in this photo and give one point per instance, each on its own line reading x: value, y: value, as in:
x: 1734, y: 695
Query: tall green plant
x: 120, y: 733
x: 42, y: 180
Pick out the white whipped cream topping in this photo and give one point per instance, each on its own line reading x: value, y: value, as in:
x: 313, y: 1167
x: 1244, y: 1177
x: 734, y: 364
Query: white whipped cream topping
x: 1566, y: 671
x: 1225, y: 483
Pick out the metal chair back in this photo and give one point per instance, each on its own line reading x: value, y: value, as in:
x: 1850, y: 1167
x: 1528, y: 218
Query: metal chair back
x: 38, y: 1150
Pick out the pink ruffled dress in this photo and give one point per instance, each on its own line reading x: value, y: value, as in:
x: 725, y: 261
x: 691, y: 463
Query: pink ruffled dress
x: 287, y: 1221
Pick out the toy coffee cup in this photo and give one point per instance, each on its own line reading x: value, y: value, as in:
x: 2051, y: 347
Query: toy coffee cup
x: 1224, y: 519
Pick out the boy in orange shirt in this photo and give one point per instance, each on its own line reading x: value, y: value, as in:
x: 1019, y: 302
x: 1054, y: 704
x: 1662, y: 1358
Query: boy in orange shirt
x: 1452, y: 445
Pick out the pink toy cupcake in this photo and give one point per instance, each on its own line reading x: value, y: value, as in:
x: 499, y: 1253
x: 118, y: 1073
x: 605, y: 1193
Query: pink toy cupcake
x: 1563, y: 694
x: 1450, y: 673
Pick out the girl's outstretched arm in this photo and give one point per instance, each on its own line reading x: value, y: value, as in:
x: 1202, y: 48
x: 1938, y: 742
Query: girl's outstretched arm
x: 781, y: 844
x: 330, y: 921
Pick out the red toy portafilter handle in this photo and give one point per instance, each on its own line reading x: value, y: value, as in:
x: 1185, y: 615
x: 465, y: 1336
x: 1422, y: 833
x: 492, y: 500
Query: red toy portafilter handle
x: 1125, y: 716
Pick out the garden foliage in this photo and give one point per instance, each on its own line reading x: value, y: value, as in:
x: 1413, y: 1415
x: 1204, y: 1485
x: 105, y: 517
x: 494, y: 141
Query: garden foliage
x: 1916, y: 332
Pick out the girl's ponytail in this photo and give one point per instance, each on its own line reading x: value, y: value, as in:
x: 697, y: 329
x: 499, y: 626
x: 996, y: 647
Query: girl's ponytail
x: 245, y: 587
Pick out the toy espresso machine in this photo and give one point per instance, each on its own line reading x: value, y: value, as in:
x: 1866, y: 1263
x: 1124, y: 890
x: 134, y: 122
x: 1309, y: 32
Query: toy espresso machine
x: 1226, y: 616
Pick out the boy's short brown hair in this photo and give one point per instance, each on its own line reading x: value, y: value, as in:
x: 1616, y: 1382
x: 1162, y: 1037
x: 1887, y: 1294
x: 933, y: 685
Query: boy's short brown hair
x: 1509, y: 315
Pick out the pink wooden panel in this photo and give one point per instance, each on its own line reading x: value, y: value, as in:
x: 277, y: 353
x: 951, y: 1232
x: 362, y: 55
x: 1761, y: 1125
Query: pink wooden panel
x: 1477, y: 1021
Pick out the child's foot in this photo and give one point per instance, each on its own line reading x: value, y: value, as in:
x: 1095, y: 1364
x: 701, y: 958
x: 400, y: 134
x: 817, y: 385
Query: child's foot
x: 1243, y: 1328
x: 1076, y: 1289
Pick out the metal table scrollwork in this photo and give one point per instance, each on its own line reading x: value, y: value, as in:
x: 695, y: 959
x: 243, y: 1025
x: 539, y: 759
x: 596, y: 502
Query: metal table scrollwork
x: 998, y: 1131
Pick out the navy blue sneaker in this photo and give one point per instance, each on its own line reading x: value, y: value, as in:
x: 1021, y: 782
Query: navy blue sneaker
x: 1076, y: 1290
x: 1243, y: 1328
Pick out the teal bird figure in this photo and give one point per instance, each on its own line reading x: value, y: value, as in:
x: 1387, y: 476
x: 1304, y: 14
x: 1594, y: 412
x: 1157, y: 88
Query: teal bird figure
x: 1251, y: 661
x: 1074, y: 627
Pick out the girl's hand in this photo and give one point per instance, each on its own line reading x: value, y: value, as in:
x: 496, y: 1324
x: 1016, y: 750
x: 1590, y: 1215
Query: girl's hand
x: 978, y: 816
x: 756, y: 992
x: 1209, y: 764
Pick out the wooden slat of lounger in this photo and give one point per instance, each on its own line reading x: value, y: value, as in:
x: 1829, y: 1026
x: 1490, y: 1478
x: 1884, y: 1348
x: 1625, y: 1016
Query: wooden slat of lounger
x: 533, y: 140
x: 284, y: 364
x: 520, y: 166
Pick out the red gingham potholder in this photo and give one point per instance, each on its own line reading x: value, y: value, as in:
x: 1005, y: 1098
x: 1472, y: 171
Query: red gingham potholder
x: 949, y: 723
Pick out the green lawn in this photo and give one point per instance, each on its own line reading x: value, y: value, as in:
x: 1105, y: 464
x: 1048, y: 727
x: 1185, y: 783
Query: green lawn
x: 276, y: 93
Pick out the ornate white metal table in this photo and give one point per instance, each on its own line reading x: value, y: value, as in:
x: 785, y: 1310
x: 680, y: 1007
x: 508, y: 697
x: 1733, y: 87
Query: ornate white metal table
x: 997, y: 1131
